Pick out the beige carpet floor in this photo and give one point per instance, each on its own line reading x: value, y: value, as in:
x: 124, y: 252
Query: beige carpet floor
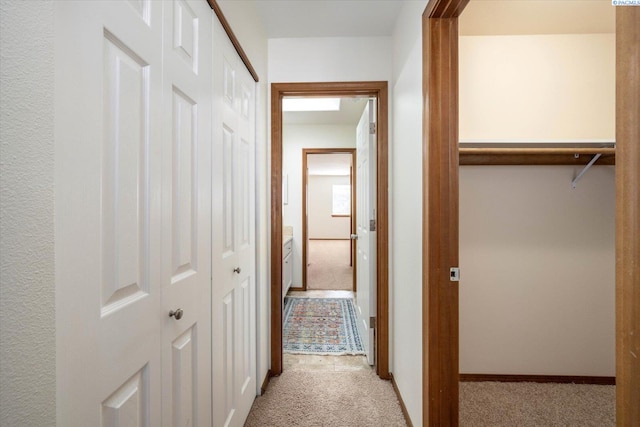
x: 328, y: 265
x: 484, y: 404
x: 324, y: 398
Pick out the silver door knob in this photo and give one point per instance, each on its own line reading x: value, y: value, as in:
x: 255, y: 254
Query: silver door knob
x: 354, y: 237
x: 237, y: 270
x: 177, y: 314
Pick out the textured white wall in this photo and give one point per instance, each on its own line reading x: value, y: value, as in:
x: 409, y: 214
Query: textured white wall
x: 320, y: 194
x: 27, y: 288
x: 294, y: 139
x: 406, y: 199
x: 248, y: 29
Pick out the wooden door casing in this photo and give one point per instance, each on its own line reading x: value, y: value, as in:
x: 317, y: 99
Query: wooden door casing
x: 379, y: 90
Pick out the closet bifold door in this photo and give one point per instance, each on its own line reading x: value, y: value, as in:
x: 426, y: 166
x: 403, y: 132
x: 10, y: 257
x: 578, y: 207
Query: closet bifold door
x: 233, y: 286
x: 186, y: 213
x: 108, y: 186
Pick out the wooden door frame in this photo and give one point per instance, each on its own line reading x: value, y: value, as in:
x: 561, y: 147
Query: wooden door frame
x: 305, y: 225
x: 378, y: 89
x: 440, y: 213
x: 627, y: 216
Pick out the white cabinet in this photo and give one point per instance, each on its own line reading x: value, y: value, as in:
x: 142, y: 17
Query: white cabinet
x: 287, y: 267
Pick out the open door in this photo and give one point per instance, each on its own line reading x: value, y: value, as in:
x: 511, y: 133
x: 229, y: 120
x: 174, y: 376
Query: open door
x: 366, y: 227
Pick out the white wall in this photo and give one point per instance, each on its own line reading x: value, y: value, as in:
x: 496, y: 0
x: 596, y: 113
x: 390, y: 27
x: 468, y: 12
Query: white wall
x: 537, y: 87
x: 248, y: 29
x: 321, y: 223
x: 537, y: 291
x: 406, y: 199
x: 294, y: 139
x: 537, y: 258
x: 27, y: 271
x: 330, y: 59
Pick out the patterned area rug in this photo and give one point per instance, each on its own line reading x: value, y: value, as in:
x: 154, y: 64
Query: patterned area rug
x: 321, y: 326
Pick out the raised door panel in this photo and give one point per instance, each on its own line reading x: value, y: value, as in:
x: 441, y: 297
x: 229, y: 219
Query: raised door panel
x: 125, y: 188
x: 184, y: 185
x: 185, y: 377
x: 128, y: 406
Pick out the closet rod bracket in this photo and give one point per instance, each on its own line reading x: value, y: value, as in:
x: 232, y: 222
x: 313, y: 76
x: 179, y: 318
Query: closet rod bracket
x: 584, y: 170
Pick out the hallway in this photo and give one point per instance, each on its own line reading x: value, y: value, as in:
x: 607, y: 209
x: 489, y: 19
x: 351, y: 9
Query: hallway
x: 323, y: 390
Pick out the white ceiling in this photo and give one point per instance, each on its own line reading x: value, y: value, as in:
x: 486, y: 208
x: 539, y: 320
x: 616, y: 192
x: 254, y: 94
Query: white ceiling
x: 328, y: 18
x: 349, y: 114
x: 329, y: 164
x: 366, y: 18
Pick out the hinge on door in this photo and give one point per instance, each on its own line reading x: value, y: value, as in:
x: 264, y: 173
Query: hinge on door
x: 372, y: 225
x: 372, y: 322
x: 372, y: 128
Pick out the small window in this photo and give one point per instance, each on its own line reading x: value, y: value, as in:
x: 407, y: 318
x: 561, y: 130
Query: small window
x: 341, y: 200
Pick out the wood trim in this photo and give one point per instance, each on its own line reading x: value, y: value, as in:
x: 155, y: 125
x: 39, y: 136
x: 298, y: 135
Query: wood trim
x: 234, y: 40
x: 326, y: 238
x: 627, y: 216
x: 507, y: 154
x: 440, y: 330
x: 265, y: 383
x: 276, y: 232
x: 403, y: 407
x: 305, y: 178
x: 522, y: 159
x: 305, y: 225
x: 560, y: 379
x: 378, y: 89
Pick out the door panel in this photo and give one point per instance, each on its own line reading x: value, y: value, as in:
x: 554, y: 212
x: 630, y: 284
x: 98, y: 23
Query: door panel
x: 366, y: 243
x: 108, y: 214
x: 185, y: 376
x: 129, y: 405
x: 125, y: 218
x: 234, y: 353
x: 186, y: 196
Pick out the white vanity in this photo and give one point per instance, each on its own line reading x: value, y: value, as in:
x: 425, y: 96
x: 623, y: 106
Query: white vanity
x: 287, y: 264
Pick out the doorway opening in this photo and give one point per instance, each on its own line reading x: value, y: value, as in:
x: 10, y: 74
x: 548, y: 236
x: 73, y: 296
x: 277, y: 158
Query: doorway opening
x: 440, y: 239
x: 281, y: 191
x: 328, y: 218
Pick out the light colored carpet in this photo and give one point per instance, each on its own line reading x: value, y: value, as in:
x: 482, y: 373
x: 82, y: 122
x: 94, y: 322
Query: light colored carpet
x: 329, y: 265
x: 535, y: 405
x: 336, y: 399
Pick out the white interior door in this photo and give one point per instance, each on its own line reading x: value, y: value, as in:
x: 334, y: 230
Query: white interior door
x: 108, y: 149
x: 365, y: 222
x: 186, y: 205
x: 233, y: 286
